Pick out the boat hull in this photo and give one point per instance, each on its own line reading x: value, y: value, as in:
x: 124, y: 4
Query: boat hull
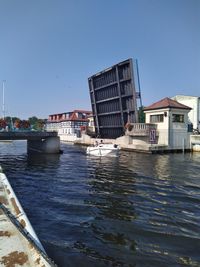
x: 103, y: 150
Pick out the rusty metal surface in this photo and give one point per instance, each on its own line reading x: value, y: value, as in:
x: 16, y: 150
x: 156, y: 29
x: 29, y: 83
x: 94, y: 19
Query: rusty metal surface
x: 17, y: 246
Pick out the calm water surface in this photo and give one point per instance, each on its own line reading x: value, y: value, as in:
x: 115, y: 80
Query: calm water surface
x: 135, y: 210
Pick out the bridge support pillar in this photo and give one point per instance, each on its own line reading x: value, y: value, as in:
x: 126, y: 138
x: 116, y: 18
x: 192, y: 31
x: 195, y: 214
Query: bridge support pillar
x: 49, y: 145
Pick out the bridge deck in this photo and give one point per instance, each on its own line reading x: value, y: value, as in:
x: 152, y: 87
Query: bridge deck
x: 26, y: 135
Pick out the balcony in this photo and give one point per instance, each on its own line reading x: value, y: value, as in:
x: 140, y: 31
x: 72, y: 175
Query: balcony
x: 140, y: 129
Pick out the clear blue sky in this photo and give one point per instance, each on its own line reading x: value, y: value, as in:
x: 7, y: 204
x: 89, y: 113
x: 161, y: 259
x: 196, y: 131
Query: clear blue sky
x: 49, y: 48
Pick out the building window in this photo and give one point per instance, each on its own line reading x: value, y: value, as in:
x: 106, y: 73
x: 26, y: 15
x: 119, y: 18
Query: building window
x: 177, y: 118
x: 156, y: 118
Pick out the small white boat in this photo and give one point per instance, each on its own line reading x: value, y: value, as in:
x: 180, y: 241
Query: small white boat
x: 103, y: 150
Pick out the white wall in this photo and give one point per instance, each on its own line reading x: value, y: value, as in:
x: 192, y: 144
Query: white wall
x: 162, y: 127
x: 194, y: 103
x: 172, y: 134
x: 68, y: 137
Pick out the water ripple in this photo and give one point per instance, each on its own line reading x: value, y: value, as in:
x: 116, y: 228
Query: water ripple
x: 135, y: 210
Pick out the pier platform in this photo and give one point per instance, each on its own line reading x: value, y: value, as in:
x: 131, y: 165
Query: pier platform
x: 19, y: 244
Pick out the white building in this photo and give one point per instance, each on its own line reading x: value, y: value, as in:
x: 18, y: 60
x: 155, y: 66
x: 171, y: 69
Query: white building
x: 69, y: 124
x: 194, y: 103
x: 166, y: 129
x: 171, y: 118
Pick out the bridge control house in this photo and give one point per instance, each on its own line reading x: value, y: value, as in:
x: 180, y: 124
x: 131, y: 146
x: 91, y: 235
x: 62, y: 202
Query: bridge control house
x: 166, y: 128
x: 171, y: 118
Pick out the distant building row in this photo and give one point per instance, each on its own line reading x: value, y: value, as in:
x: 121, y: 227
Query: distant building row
x: 72, y: 123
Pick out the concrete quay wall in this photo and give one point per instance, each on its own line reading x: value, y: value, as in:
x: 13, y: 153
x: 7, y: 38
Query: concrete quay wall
x: 141, y: 144
x: 125, y: 142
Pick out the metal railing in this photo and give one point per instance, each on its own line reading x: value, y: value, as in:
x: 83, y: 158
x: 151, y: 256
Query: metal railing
x: 139, y: 129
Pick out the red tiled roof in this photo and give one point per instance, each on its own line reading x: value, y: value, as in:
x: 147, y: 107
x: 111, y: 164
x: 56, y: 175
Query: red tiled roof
x: 75, y: 110
x: 166, y: 103
x: 83, y: 111
x: 72, y: 116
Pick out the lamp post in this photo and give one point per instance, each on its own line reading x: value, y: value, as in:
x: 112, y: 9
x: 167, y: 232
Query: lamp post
x: 3, y: 101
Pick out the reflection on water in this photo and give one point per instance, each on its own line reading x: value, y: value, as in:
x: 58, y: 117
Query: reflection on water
x: 43, y: 159
x: 134, y: 210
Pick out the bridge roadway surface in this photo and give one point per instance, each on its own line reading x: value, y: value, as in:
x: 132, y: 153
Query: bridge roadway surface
x: 26, y: 135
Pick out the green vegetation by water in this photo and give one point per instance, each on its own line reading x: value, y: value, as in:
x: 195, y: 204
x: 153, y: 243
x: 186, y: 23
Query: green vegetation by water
x: 15, y: 123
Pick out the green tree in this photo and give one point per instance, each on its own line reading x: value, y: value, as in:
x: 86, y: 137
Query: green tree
x: 33, y: 120
x: 141, y: 115
x: 36, y: 123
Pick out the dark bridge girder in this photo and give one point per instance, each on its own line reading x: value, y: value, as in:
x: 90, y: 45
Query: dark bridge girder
x: 26, y: 135
x: 37, y: 142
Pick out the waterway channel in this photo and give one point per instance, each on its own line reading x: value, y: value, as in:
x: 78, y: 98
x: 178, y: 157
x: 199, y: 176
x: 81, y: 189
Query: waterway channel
x: 134, y: 210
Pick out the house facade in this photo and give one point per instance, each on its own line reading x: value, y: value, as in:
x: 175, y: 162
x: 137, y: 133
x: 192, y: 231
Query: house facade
x: 194, y: 103
x: 171, y: 118
x: 69, y: 124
